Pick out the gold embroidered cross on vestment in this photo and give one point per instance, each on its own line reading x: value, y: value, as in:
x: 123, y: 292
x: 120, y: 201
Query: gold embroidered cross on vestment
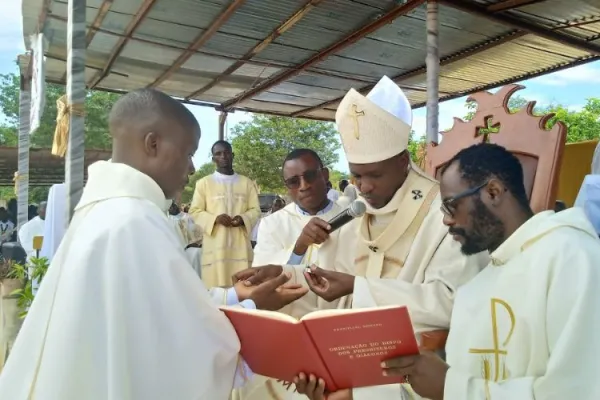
x: 354, y: 113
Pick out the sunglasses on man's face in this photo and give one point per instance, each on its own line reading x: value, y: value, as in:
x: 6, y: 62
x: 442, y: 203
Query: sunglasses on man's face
x: 294, y: 182
x: 449, y: 204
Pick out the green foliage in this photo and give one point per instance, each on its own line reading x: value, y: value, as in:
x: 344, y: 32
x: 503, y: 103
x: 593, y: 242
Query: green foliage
x: 38, y: 268
x: 204, y: 170
x: 336, y: 176
x: 37, y: 194
x: 581, y: 125
x: 97, y: 107
x: 416, y: 147
x: 9, y: 136
x: 262, y: 144
x: 514, y: 104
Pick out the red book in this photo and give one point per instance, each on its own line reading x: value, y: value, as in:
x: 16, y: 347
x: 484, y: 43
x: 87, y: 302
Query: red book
x: 343, y: 347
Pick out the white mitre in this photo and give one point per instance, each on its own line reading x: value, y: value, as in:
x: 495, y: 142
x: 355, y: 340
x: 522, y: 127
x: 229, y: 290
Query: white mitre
x: 375, y: 127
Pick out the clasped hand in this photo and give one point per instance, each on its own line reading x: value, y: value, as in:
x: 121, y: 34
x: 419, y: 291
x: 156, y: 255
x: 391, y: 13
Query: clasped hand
x: 268, y: 289
x: 227, y: 221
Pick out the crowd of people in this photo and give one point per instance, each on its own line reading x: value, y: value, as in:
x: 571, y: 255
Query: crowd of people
x: 122, y: 313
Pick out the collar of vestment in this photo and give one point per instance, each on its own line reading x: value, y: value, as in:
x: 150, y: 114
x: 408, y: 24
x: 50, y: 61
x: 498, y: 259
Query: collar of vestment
x: 325, y: 210
x: 536, y: 228
x: 223, y: 178
x: 109, y: 180
x: 410, y: 204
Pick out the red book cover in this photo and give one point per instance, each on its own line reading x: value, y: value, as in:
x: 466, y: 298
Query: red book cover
x: 344, y: 347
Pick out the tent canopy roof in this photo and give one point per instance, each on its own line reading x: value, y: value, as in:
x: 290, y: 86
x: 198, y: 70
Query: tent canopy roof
x: 299, y: 57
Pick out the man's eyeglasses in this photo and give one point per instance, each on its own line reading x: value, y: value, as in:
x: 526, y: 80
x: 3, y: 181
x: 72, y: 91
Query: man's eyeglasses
x: 309, y: 177
x: 448, y: 205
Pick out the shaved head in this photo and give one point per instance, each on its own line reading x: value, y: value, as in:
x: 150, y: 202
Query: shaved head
x: 156, y: 135
x: 42, y: 210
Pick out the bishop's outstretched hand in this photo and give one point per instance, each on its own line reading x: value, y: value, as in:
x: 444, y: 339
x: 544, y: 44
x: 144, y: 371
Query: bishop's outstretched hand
x: 329, y: 285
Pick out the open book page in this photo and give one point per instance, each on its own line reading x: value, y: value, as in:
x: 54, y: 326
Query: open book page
x: 353, y: 344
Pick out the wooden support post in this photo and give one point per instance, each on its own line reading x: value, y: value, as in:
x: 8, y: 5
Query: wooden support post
x: 76, y: 47
x: 433, y: 71
x: 222, y: 120
x: 22, y: 175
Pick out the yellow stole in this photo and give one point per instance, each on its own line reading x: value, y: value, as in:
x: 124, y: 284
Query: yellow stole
x: 384, y: 255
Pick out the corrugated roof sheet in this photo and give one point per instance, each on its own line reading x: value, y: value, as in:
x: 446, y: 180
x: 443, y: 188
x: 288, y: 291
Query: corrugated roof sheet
x: 476, y: 53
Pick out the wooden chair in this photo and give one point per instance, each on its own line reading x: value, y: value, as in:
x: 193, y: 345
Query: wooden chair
x: 522, y: 133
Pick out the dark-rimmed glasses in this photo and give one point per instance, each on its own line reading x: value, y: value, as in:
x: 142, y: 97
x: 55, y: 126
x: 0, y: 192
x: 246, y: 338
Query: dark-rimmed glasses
x: 309, y: 176
x: 448, y: 206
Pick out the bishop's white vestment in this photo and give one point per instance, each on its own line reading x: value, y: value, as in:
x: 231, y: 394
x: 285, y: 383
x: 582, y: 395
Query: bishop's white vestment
x: 526, y: 327
x: 403, y: 253
x: 120, y: 313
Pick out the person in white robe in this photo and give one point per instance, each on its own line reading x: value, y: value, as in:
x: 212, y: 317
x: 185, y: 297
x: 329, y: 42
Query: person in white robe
x: 295, y: 236
x: 588, y: 197
x: 120, y: 313
x: 349, y: 193
x: 55, y: 224
x: 332, y: 194
x: 527, y: 326
x: 33, y: 228
x: 277, y: 205
x: 190, y: 235
x: 399, y: 252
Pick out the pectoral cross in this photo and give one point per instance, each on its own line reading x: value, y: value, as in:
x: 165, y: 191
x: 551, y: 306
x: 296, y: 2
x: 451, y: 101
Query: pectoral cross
x: 355, y: 114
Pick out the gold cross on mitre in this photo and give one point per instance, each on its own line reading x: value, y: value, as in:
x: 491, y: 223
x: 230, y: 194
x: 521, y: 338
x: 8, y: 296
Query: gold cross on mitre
x: 354, y: 113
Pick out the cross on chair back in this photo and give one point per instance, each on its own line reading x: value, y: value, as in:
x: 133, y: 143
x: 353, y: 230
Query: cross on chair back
x: 522, y: 133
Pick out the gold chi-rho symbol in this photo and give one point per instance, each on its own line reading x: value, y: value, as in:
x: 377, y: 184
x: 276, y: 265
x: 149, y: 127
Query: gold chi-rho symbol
x: 354, y: 113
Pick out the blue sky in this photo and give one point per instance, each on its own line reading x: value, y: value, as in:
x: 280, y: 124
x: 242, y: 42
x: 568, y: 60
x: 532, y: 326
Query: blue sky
x: 569, y: 87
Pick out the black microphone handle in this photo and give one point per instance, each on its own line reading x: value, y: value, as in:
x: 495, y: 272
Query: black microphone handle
x: 340, y: 220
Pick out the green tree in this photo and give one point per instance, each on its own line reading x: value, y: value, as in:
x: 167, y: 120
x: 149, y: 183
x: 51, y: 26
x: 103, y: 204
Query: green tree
x: 8, y: 136
x: 97, y: 108
x: 204, y: 170
x: 37, y: 194
x: 335, y: 177
x: 261, y: 145
x: 416, y: 147
x: 515, y: 103
x: 581, y: 125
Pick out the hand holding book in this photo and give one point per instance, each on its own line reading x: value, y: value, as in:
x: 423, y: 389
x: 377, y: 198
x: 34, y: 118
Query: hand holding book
x: 314, y: 388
